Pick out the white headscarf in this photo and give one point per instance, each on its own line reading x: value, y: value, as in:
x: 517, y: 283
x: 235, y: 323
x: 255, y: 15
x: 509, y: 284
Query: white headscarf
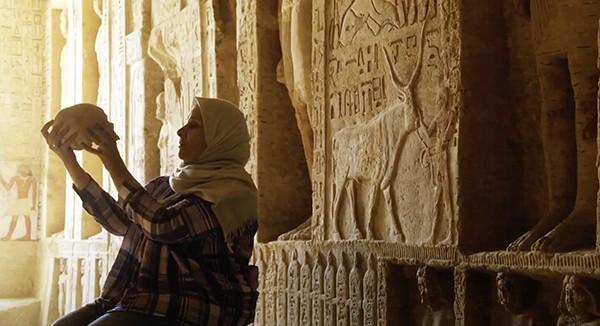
x: 218, y: 175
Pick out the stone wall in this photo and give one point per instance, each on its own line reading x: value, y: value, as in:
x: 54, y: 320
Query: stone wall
x: 440, y: 152
x: 22, y: 100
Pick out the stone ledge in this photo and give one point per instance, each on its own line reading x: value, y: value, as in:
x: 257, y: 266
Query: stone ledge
x: 19, y: 311
x: 580, y: 262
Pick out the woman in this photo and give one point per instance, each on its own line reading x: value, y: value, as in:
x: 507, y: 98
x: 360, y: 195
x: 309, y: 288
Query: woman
x: 187, y: 238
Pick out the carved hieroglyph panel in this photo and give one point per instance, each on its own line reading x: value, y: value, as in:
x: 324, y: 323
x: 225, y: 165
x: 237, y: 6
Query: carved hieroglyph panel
x: 21, y: 79
x: 389, y: 120
x: 247, y: 71
x: 176, y: 44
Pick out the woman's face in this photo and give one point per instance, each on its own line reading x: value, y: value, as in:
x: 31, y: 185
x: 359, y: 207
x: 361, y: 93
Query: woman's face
x: 191, y: 137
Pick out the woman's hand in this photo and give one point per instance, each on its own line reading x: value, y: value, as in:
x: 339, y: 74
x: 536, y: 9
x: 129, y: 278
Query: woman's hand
x: 108, y: 152
x: 55, y: 142
x: 106, y: 149
x: 64, y: 151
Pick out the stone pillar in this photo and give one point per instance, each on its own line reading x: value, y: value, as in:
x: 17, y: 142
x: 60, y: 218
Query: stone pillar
x: 86, y: 24
x: 53, y: 172
x: 145, y: 83
x: 277, y: 159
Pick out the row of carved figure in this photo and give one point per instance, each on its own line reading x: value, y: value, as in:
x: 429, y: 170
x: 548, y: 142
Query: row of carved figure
x: 313, y: 290
x: 519, y: 295
x: 326, y: 294
x: 79, y: 282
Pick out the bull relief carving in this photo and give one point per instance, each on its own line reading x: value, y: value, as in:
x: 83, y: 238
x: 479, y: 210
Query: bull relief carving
x: 390, y: 125
x: 566, y: 56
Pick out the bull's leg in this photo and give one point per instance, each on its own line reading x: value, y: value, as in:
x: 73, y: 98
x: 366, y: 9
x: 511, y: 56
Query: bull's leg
x: 397, y: 232
x: 338, y: 188
x: 373, y: 199
x: 351, y: 191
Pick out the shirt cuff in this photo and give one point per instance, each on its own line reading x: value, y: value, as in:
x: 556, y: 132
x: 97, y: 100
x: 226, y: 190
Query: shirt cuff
x: 129, y: 187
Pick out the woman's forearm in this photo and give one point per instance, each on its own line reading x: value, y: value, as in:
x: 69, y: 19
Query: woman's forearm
x: 117, y: 169
x: 78, y: 175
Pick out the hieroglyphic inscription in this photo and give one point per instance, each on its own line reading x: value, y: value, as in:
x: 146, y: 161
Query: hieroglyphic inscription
x: 247, y: 71
x: 22, y: 79
x: 317, y: 111
x: 317, y: 292
x: 118, y: 71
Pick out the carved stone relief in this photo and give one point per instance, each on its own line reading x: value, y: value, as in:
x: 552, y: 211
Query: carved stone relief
x: 566, y: 55
x: 518, y: 295
x: 178, y: 46
x: 437, y: 294
x: 579, y: 301
x: 388, y: 109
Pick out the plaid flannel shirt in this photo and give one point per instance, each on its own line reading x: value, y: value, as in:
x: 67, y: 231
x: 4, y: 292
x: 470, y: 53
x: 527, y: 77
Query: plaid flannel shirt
x: 174, y: 261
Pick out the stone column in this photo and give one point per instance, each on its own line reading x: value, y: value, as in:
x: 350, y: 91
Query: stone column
x: 145, y: 83
x: 277, y: 159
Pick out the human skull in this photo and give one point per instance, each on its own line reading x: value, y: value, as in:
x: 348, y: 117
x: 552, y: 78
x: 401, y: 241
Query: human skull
x: 80, y: 118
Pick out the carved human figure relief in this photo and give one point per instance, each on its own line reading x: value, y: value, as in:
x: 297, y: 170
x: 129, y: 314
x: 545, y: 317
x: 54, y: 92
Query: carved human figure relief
x: 305, y: 290
x: 329, y: 313
x: 341, y: 279
x: 518, y: 295
x: 317, y: 291
x: 84, y: 280
x: 293, y: 290
x: 22, y: 201
x: 382, y: 286
x: 165, y: 142
x: 270, y: 292
x: 435, y: 292
x: 369, y: 291
x: 579, y: 304
x: 103, y: 273
x: 62, y: 287
x: 100, y: 47
x: 282, y: 290
x: 257, y: 259
x: 355, y: 284
x: 566, y: 55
